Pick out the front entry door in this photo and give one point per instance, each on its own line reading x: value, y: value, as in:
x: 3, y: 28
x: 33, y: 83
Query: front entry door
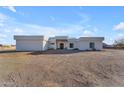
x: 61, y: 46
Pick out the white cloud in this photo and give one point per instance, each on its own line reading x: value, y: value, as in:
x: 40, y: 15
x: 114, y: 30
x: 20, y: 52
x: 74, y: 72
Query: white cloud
x: 2, y: 36
x: 11, y: 8
x: 1, y: 24
x: 119, y: 26
x: 69, y: 30
x: 7, y: 30
x: 87, y: 33
x: 120, y: 36
x: 95, y: 29
x: 52, y: 31
x: 3, y: 18
x: 18, y: 30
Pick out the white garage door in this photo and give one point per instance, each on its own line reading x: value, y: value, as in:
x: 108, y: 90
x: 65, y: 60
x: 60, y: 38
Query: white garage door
x: 29, y: 45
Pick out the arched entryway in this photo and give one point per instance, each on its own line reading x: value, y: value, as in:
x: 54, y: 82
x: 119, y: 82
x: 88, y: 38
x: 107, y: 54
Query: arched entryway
x: 61, y: 45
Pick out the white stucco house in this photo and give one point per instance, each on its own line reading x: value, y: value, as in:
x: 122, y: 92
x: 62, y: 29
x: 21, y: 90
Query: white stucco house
x: 41, y: 43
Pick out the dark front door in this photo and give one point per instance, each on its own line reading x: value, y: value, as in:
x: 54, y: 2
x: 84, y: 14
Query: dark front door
x: 61, y: 46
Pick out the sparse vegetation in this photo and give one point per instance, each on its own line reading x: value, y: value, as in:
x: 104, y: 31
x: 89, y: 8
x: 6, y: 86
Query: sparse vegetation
x: 119, y: 44
x: 7, y: 47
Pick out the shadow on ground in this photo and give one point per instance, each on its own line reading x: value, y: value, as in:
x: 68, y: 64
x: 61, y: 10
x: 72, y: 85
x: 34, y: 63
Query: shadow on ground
x: 56, y: 52
x: 9, y: 51
x: 45, y: 52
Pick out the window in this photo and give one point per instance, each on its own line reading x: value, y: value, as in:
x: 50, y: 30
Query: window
x: 71, y: 45
x: 52, y: 43
x: 92, y: 45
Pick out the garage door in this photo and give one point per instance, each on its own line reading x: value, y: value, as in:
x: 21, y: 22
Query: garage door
x: 29, y: 45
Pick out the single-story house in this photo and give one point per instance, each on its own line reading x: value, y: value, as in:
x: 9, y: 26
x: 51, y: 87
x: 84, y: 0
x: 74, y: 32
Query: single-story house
x: 41, y: 43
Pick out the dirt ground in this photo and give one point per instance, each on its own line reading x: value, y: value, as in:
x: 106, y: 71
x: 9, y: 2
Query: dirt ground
x: 62, y: 68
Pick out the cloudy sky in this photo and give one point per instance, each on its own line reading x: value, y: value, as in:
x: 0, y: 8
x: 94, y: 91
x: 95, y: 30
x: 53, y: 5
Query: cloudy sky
x: 78, y: 21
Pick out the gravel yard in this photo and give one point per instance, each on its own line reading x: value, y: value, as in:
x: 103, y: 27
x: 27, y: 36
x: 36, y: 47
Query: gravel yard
x: 62, y: 68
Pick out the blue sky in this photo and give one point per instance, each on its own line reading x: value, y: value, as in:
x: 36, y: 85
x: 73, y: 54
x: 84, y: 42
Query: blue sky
x: 75, y: 21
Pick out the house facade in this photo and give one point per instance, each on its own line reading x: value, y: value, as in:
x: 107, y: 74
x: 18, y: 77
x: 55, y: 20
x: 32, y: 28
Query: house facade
x: 41, y: 43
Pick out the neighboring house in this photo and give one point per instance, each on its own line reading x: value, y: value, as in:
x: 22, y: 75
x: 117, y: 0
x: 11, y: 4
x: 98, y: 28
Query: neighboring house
x: 40, y: 43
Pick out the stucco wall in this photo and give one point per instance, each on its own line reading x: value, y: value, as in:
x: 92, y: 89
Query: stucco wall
x: 74, y: 42
x: 98, y: 45
x: 64, y: 42
x: 38, y: 43
x: 84, y: 44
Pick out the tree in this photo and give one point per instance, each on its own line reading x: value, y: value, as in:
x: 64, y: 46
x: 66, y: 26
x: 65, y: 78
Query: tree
x: 119, y: 43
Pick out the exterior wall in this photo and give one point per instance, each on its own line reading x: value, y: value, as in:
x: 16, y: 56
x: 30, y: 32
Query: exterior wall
x: 74, y: 42
x: 64, y: 42
x: 84, y: 45
x: 99, y: 45
x: 29, y: 45
x: 39, y: 43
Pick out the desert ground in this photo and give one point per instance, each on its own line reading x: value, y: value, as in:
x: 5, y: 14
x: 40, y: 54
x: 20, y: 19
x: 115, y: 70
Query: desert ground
x: 62, y: 68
